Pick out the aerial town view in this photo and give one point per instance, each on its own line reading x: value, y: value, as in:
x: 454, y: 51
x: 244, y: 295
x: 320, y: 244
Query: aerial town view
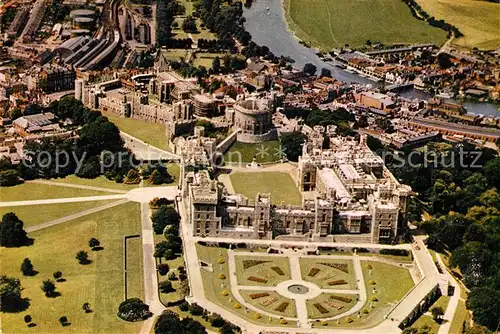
x: 250, y: 166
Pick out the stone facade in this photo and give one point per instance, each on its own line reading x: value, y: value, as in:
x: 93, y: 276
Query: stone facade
x: 254, y: 117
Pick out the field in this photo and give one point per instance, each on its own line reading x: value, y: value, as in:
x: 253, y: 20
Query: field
x: 100, y: 181
x: 249, y: 266
x: 325, y: 274
x: 33, y: 215
x: 326, y: 302
x: 479, y: 21
x: 333, y: 23
x: 279, y: 185
x: 150, y: 133
x: 34, y: 191
x: 270, y: 152
x: 100, y: 283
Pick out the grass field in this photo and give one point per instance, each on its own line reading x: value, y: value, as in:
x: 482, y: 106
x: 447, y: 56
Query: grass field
x: 461, y: 316
x: 279, y: 185
x: 262, y: 270
x: 206, y: 59
x: 150, y: 133
x: 33, y: 215
x: 100, y: 181
x: 243, y: 152
x: 324, y: 300
x: 34, y: 191
x: 274, y: 299
x: 327, y: 274
x: 334, y: 23
x: 426, y: 319
x: 213, y: 290
x: 479, y: 21
x: 100, y: 283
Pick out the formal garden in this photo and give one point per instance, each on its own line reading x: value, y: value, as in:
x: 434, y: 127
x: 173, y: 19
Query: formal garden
x: 328, y: 305
x: 328, y: 274
x: 263, y: 271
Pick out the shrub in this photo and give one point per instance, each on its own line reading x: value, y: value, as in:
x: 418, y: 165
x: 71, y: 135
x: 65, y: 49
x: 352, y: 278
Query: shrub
x: 182, y: 277
x: 395, y: 252
x: 258, y: 295
x: 237, y: 306
x: 366, y: 311
x: 339, y: 266
x: 82, y: 257
x: 224, y: 293
x: 57, y: 275
x: 348, y: 320
x: 313, y: 272
x: 342, y: 298
x: 172, y: 277
x: 63, y: 320
x: 283, y: 321
x: 278, y: 271
x: 374, y: 299
x: 257, y: 316
x: 372, y: 282
x: 370, y: 267
x: 49, y: 288
x: 282, y: 307
x: 94, y: 243
x: 220, y: 261
x: 257, y: 279
x: 222, y: 276
x: 251, y: 263
x: 163, y: 269
x: 216, y: 320
x: 320, y: 308
x: 184, y: 306
x: 27, y: 318
x: 27, y: 268
x: 337, y: 282
x: 324, y: 323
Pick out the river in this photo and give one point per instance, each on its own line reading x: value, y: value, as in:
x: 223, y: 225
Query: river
x: 266, y: 22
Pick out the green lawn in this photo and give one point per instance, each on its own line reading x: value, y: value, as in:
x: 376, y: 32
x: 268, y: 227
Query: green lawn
x: 271, y: 302
x: 100, y: 181
x: 327, y: 274
x: 213, y: 290
x: 262, y: 270
x: 206, y: 59
x: 334, y: 23
x: 280, y: 185
x: 34, y: 191
x: 461, y: 316
x: 99, y: 283
x: 330, y: 305
x: 134, y: 268
x: 150, y: 133
x: 479, y: 21
x: 392, y: 283
x: 33, y: 215
x: 426, y: 319
x: 263, y: 152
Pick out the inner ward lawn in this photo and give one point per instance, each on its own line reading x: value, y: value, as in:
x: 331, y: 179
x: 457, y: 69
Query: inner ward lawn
x: 34, y: 191
x: 245, y: 152
x: 33, y: 215
x: 334, y: 23
x: 100, y: 283
x: 150, y: 133
x: 280, y: 185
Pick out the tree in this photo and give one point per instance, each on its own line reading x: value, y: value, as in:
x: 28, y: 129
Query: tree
x: 183, y: 288
x: 165, y: 286
x: 444, y: 60
x: 86, y: 307
x: 437, y: 312
x: 49, y: 288
x: 163, y: 269
x: 132, y: 177
x: 309, y: 69
x: 165, y: 215
x: 325, y: 72
x: 57, y: 275
x: 155, y: 178
x: 27, y: 318
x: 484, y: 302
x: 12, y: 233
x: 27, y: 267
x: 63, y: 320
x: 170, y: 323
x: 492, y: 172
x: 9, y: 178
x: 189, y: 24
x: 10, y: 294
x: 94, y: 243
x: 171, y: 276
x: 82, y: 257
x: 292, y: 144
x: 133, y: 309
x: 196, y: 309
x: 216, y: 65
